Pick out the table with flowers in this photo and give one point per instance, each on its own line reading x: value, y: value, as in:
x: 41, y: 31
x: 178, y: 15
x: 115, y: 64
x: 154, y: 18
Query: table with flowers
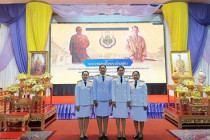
x: 29, y: 96
x: 189, y: 108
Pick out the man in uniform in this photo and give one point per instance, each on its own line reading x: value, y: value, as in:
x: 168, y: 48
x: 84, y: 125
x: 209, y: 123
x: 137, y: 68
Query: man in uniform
x: 78, y: 45
x: 136, y: 46
x: 180, y: 65
x: 102, y: 85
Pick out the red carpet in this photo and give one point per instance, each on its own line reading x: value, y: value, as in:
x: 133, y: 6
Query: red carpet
x: 155, y: 129
x: 70, y: 99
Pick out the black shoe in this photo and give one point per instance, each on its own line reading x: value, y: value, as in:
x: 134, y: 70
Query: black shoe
x: 140, y: 137
x: 106, y: 137
x: 100, y: 137
x: 119, y: 138
x: 81, y: 138
x: 136, y: 136
x: 85, y: 137
x: 124, y: 138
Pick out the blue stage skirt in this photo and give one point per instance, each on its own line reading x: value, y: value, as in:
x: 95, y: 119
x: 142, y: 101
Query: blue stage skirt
x: 138, y: 113
x: 121, y: 110
x: 103, y: 109
x: 85, y: 111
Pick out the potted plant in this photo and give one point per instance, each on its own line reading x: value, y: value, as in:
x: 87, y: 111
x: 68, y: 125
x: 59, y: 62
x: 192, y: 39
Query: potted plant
x: 30, y: 82
x: 21, y: 77
x: 181, y: 90
x: 46, y: 77
x: 13, y: 88
x: 38, y: 88
x: 189, y: 84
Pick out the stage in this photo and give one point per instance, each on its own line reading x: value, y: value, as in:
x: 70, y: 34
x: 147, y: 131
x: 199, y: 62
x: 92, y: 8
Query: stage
x: 66, y: 108
x: 187, y: 121
x: 154, y: 129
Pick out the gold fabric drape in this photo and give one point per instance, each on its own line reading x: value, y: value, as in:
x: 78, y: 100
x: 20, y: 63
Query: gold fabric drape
x: 38, y: 17
x: 176, y: 14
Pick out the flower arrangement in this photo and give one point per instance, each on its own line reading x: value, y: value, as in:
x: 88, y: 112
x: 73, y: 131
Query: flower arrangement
x: 181, y: 89
x: 30, y: 82
x: 175, y: 77
x: 196, y: 94
x: 46, y: 75
x: 38, y: 87
x: 188, y: 82
x: 13, y: 88
x: 21, y: 76
x: 206, y: 88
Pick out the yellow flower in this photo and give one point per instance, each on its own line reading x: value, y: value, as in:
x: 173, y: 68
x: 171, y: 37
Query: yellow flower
x: 38, y: 87
x: 188, y: 83
x: 21, y: 76
x: 206, y: 88
x: 181, y: 89
x: 46, y: 75
x: 29, y: 82
x: 13, y: 88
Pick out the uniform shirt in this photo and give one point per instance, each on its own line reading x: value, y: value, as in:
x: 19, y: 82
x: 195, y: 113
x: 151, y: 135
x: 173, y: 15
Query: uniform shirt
x: 120, y: 91
x: 102, y: 89
x: 138, y: 94
x: 83, y: 94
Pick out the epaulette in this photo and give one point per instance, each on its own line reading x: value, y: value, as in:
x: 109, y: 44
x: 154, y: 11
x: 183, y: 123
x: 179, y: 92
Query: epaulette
x: 107, y: 74
x: 114, y: 77
x: 126, y: 76
x: 97, y: 74
x: 141, y: 80
x: 90, y: 81
x: 79, y: 81
x: 130, y: 81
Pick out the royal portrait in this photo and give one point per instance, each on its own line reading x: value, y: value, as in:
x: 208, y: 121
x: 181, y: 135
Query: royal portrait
x: 181, y: 63
x: 38, y: 63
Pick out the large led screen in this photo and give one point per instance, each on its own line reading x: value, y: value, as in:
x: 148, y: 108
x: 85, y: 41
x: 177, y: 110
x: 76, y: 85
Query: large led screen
x: 78, y: 47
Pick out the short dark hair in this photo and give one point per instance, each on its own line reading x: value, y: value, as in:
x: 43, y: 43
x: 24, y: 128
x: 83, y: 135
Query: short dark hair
x: 102, y: 65
x: 120, y: 67
x: 84, y: 72
x: 136, y: 72
x: 78, y: 27
x: 135, y: 27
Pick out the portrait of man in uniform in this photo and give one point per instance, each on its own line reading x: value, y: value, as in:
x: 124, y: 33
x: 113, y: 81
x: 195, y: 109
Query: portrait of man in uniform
x: 78, y: 45
x: 181, y: 63
x: 136, y: 46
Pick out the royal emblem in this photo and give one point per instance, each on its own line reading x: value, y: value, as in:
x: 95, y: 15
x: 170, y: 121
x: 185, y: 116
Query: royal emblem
x: 107, y: 41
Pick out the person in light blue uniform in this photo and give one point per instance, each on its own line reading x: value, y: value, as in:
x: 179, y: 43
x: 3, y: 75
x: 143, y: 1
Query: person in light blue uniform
x: 102, y: 85
x: 83, y: 103
x: 121, y: 100
x: 138, y: 103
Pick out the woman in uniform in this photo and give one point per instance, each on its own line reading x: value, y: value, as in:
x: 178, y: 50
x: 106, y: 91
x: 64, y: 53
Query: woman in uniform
x: 121, y: 100
x: 138, y: 104
x: 83, y: 103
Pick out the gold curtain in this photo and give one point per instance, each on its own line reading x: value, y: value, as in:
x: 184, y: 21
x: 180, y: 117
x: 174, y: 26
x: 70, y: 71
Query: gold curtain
x: 176, y: 14
x: 38, y: 17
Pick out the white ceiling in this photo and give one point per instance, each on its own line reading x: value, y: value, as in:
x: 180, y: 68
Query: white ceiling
x: 103, y: 1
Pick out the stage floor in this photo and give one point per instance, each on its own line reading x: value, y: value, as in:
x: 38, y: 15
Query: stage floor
x: 155, y: 129
x: 71, y: 99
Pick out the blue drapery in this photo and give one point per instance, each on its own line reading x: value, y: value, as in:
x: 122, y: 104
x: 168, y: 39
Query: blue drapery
x: 14, y: 15
x: 199, y: 18
x: 67, y: 111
